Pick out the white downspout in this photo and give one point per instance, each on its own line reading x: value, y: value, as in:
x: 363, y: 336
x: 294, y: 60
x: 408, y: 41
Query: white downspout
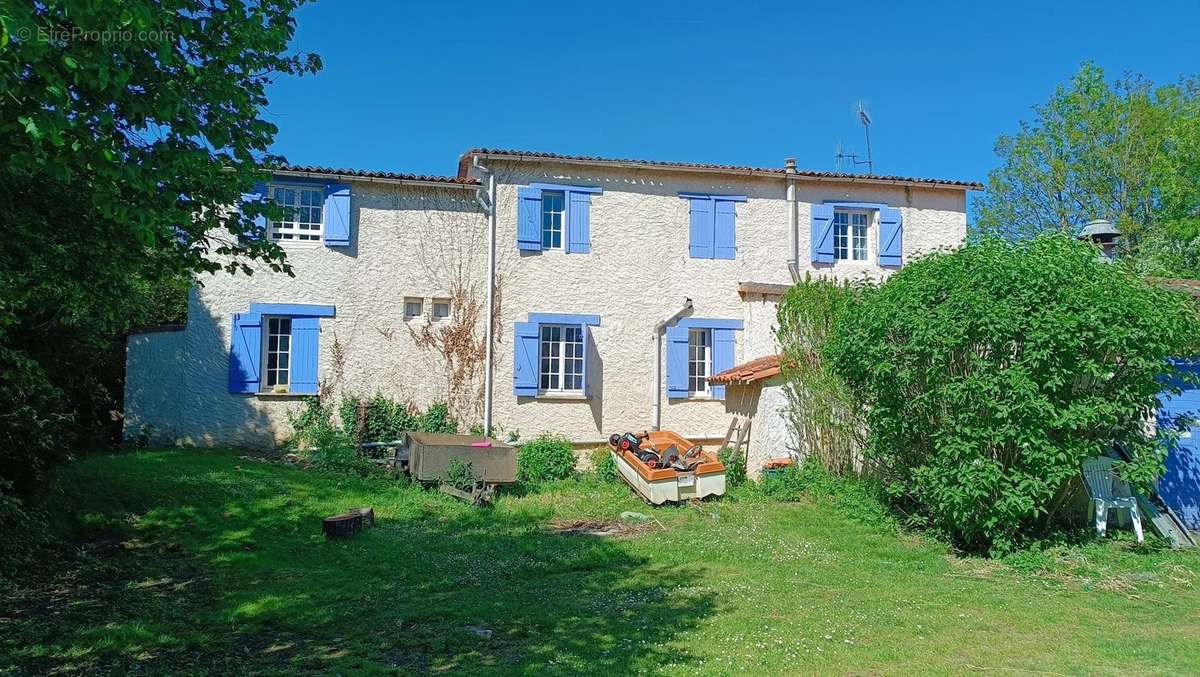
x: 488, y: 331
x: 789, y: 169
x: 656, y: 408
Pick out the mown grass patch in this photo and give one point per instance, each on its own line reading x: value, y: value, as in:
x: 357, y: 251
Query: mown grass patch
x: 204, y: 561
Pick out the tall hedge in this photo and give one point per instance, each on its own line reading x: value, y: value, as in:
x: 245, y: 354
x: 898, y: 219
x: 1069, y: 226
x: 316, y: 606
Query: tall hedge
x: 988, y: 374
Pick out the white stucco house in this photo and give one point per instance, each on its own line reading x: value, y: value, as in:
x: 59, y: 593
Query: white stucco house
x: 608, y: 272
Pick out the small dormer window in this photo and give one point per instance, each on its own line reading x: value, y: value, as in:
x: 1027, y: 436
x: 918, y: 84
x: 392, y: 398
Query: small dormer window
x: 302, y: 212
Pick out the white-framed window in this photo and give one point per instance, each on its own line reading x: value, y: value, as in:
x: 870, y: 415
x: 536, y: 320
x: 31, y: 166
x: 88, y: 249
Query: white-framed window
x: 440, y: 309
x: 303, y: 210
x: 699, y: 361
x: 850, y: 234
x: 277, y: 352
x: 553, y: 213
x: 561, y: 363
x: 413, y: 307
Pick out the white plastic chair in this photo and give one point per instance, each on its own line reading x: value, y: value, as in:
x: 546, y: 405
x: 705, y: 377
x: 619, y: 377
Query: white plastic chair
x: 1109, y: 491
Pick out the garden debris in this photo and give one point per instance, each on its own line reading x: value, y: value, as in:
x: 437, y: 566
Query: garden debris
x: 599, y: 528
x: 478, y: 631
x: 630, y: 516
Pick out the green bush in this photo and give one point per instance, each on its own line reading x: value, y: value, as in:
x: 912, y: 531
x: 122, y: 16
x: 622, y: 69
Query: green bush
x: 989, y: 373
x: 326, y: 445
x: 603, y: 464
x: 460, y: 474
x: 858, y: 498
x: 825, y: 420
x: 545, y: 458
x: 735, y: 466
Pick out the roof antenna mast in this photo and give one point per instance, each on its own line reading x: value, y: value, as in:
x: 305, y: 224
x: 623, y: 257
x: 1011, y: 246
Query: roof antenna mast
x: 865, y: 118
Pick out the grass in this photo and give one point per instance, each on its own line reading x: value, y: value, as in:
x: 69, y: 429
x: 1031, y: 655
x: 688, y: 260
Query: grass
x: 207, y: 562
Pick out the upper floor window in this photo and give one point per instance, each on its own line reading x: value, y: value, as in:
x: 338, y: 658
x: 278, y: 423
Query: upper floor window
x: 712, y: 227
x: 553, y: 210
x: 413, y: 307
x: 278, y: 350
x: 850, y: 234
x: 302, y: 213
x: 699, y: 361
x: 561, y: 351
x: 441, y: 309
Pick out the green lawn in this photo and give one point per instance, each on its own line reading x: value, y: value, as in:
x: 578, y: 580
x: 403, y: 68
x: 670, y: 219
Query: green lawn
x: 202, y: 561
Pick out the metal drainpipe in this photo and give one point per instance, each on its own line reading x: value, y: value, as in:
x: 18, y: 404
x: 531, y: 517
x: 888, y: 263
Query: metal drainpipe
x: 656, y: 408
x: 488, y: 331
x: 789, y: 169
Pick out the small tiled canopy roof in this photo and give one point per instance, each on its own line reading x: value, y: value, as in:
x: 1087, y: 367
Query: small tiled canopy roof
x: 749, y: 372
x: 1190, y: 286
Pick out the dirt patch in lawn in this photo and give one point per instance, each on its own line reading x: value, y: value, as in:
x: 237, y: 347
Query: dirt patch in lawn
x: 603, y: 528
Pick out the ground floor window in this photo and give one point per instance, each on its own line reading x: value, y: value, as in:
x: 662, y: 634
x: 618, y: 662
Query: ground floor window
x: 561, y: 351
x: 699, y: 361
x: 278, y: 350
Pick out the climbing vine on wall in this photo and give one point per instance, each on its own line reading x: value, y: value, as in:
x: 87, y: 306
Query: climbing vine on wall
x: 825, y: 421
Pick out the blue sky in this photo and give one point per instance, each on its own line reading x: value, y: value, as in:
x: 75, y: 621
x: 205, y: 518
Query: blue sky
x: 409, y: 86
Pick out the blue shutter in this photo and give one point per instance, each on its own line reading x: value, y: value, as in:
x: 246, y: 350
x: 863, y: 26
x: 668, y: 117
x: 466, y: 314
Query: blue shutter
x: 245, y: 353
x: 258, y: 194
x: 306, y: 335
x: 725, y: 243
x: 337, y: 215
x: 891, y: 237
x: 677, y: 361
x: 525, y: 359
x: 529, y: 219
x: 822, y: 233
x: 589, y: 350
x: 701, y: 228
x: 579, y: 238
x: 722, y: 357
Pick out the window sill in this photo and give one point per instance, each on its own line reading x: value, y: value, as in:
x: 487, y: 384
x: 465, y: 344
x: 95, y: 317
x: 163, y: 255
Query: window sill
x: 563, y: 397
x: 280, y: 396
x: 293, y: 244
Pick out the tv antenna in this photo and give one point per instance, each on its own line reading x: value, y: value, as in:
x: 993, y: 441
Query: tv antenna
x: 855, y: 159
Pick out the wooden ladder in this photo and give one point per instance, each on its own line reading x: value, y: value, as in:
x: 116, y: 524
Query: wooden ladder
x: 741, y: 426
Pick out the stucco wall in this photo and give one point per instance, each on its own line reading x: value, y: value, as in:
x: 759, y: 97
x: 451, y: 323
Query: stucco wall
x: 639, y: 272
x: 410, y: 241
x: 406, y: 241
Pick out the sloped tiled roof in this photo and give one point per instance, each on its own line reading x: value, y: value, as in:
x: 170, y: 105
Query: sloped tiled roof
x: 464, y: 165
x: 1179, y: 284
x: 367, y: 174
x: 749, y: 372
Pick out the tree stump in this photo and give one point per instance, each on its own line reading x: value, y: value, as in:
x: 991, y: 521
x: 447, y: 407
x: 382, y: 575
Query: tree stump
x: 368, y: 515
x: 342, y: 526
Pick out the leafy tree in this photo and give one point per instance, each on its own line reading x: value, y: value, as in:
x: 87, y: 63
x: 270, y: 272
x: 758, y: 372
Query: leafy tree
x: 988, y: 374
x: 127, y: 130
x: 1127, y: 151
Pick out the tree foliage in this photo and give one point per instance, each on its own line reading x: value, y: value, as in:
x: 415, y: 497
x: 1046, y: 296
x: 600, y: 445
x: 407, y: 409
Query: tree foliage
x: 1127, y: 151
x: 988, y: 374
x: 127, y: 130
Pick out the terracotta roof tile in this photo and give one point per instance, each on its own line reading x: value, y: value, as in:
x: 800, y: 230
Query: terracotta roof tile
x: 1179, y: 284
x: 749, y: 372
x: 464, y: 166
x: 366, y: 174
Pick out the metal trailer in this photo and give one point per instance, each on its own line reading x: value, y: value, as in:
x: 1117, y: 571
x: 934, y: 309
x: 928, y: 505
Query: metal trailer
x: 428, y: 455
